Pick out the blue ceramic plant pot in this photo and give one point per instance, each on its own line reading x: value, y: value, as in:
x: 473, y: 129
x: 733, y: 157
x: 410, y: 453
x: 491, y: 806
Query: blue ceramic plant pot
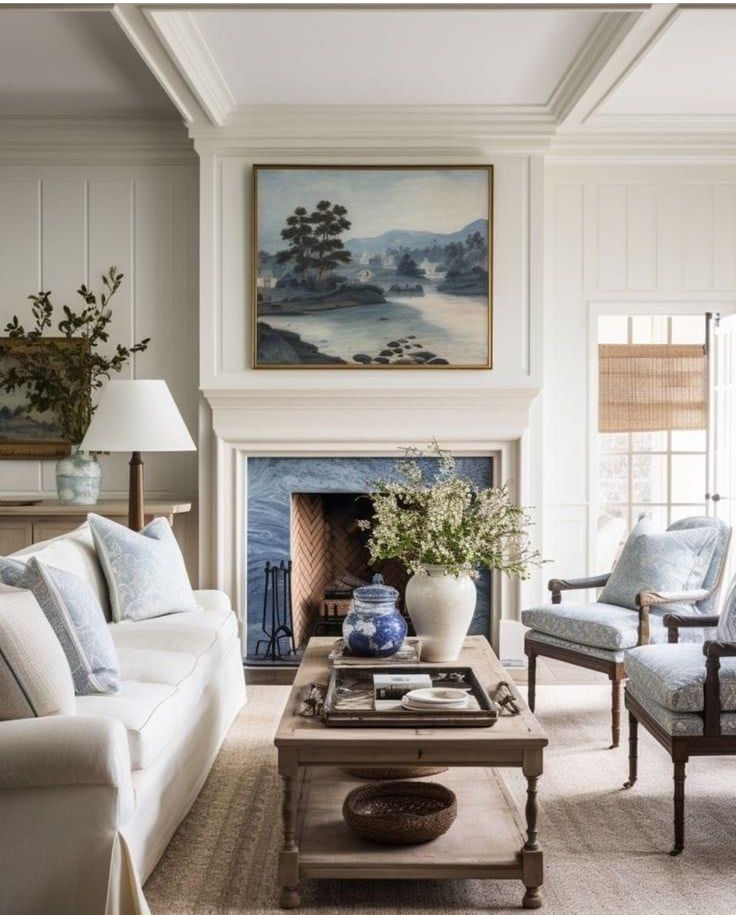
x: 374, y: 628
x: 78, y: 479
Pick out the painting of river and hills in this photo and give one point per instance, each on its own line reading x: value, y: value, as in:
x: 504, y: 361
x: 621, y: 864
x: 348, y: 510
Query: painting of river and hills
x: 371, y: 268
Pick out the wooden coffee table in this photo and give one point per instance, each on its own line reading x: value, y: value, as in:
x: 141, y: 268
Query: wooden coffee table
x: 489, y: 839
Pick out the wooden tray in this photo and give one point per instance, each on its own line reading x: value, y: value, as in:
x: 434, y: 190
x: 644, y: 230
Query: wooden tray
x: 349, y: 700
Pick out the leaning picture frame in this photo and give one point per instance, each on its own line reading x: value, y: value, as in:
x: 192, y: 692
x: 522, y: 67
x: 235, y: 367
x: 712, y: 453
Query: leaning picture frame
x: 372, y: 267
x: 24, y: 433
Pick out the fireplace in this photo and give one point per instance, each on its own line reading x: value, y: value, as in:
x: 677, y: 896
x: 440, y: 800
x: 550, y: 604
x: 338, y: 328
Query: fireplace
x: 306, y: 511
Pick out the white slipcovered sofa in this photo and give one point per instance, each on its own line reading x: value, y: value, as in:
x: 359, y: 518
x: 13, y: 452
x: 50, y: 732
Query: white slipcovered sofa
x: 89, y: 802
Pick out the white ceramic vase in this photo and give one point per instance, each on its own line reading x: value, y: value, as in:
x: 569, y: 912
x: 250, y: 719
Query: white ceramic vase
x: 441, y: 607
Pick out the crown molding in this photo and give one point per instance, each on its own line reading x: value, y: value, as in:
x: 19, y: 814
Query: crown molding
x: 379, y: 126
x: 93, y: 141
x: 185, y: 44
x: 645, y: 147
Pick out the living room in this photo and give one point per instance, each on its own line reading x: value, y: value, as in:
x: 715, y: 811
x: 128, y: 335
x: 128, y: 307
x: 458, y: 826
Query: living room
x: 366, y: 449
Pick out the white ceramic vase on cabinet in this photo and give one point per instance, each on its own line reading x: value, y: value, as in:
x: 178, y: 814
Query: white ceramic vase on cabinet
x: 441, y: 607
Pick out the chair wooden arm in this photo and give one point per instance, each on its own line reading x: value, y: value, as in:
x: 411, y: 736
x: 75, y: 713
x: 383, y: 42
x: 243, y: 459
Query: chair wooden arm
x: 674, y: 622
x: 647, y: 598
x: 713, y: 652
x: 558, y: 585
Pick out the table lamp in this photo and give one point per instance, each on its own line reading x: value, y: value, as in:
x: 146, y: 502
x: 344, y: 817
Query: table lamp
x: 137, y: 416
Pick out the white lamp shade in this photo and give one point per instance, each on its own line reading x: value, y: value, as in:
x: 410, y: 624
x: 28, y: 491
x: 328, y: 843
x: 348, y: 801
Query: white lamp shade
x: 137, y: 415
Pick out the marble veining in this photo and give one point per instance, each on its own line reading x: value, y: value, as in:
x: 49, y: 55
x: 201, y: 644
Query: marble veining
x: 270, y: 484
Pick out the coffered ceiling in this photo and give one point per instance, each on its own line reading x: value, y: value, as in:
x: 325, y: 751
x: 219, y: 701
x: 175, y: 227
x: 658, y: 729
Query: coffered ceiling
x: 550, y: 72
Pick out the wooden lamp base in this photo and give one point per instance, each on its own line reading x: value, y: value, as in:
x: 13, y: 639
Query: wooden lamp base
x: 136, y: 516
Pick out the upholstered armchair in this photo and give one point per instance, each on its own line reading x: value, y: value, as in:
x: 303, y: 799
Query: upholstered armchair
x: 596, y: 634
x: 685, y: 696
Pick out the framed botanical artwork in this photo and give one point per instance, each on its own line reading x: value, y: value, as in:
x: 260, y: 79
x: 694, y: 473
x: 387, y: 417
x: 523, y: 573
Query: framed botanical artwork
x: 24, y: 432
x: 372, y: 267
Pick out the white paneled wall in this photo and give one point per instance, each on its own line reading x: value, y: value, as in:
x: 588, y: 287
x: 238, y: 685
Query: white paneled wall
x: 620, y: 239
x: 64, y: 225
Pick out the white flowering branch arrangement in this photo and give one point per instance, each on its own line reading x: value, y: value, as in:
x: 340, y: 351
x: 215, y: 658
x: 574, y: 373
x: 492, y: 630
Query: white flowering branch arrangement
x: 447, y: 522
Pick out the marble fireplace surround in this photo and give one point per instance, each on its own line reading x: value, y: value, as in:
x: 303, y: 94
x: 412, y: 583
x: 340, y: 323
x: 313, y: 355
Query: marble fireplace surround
x: 332, y: 423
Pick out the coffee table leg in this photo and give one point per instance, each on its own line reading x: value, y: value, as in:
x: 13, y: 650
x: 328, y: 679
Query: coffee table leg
x: 531, y: 854
x: 289, y: 856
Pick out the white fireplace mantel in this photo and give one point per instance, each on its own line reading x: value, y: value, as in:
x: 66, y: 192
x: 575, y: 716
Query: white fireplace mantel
x: 333, y: 422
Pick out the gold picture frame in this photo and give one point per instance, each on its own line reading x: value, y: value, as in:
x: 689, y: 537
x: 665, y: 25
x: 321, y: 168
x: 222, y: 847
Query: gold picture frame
x: 284, y: 347
x: 22, y: 437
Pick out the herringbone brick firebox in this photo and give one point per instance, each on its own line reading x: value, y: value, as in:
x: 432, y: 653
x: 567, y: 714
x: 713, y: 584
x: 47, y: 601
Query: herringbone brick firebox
x: 327, y: 544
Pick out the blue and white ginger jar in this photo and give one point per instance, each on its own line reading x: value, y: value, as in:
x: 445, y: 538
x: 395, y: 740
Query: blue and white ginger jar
x: 374, y: 628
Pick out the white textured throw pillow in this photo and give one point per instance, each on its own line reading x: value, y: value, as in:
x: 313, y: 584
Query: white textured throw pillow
x: 73, y: 552
x: 145, y: 572
x: 35, y: 678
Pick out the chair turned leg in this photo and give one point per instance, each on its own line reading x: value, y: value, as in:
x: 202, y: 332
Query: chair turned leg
x: 679, y: 808
x: 633, y: 751
x: 616, y: 685
x: 532, y: 681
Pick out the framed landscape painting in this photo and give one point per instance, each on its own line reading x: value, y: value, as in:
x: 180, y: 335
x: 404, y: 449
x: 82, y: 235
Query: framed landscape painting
x: 372, y: 267
x: 25, y: 433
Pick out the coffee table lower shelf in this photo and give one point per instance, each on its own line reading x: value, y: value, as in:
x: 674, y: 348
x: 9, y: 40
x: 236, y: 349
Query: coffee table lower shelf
x: 486, y: 841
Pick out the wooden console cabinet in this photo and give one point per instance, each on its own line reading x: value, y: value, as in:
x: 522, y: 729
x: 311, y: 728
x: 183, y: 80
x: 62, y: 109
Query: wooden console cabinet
x: 24, y: 525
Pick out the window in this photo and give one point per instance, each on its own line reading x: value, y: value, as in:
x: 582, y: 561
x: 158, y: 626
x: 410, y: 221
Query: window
x: 662, y: 473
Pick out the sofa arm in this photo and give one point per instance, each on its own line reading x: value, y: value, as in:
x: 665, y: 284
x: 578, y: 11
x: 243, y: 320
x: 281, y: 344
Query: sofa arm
x: 213, y: 600
x: 67, y: 750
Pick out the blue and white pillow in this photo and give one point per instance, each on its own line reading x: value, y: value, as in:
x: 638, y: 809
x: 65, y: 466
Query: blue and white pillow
x: 670, y: 561
x: 76, y: 617
x: 727, y: 619
x: 145, y: 571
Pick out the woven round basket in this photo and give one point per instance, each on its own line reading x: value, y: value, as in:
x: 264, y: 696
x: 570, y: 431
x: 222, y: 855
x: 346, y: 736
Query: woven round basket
x: 400, y: 813
x: 388, y: 772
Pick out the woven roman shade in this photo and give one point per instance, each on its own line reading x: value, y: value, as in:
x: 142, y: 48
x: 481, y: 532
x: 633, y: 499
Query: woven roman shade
x: 646, y: 387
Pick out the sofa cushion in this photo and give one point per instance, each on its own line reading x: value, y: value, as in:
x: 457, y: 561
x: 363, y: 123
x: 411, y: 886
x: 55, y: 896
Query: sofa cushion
x: 35, y: 679
x: 191, y: 633
x: 73, y: 552
x: 166, y: 664
x: 673, y: 676
x: 671, y: 561
x: 145, y: 572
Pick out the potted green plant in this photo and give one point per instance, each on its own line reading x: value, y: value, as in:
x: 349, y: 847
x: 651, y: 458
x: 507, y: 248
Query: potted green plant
x: 443, y: 529
x: 59, y: 374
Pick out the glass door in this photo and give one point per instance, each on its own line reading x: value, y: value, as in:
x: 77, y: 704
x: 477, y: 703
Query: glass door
x: 722, y: 432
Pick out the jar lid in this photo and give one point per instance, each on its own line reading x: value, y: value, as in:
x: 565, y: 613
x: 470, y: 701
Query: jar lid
x: 376, y: 592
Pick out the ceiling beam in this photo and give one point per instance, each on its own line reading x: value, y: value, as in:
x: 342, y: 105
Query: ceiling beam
x: 614, y: 50
x: 141, y: 35
x: 186, y: 46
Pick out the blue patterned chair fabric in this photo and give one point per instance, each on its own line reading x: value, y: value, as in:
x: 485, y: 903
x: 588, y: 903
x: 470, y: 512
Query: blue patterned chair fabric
x: 674, y: 676
x: 668, y: 681
x: 613, y: 628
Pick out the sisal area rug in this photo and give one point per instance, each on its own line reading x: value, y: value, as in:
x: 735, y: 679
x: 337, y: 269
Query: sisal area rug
x: 605, y: 848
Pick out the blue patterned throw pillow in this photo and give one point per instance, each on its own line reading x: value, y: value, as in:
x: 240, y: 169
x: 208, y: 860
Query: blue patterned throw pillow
x: 671, y: 561
x: 727, y: 619
x: 145, y: 571
x: 76, y: 617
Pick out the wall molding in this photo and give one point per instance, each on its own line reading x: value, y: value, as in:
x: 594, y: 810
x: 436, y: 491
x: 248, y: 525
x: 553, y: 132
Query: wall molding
x: 94, y: 141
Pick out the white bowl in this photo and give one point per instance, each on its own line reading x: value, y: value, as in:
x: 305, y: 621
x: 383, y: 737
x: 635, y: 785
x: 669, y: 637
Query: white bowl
x: 437, y: 697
